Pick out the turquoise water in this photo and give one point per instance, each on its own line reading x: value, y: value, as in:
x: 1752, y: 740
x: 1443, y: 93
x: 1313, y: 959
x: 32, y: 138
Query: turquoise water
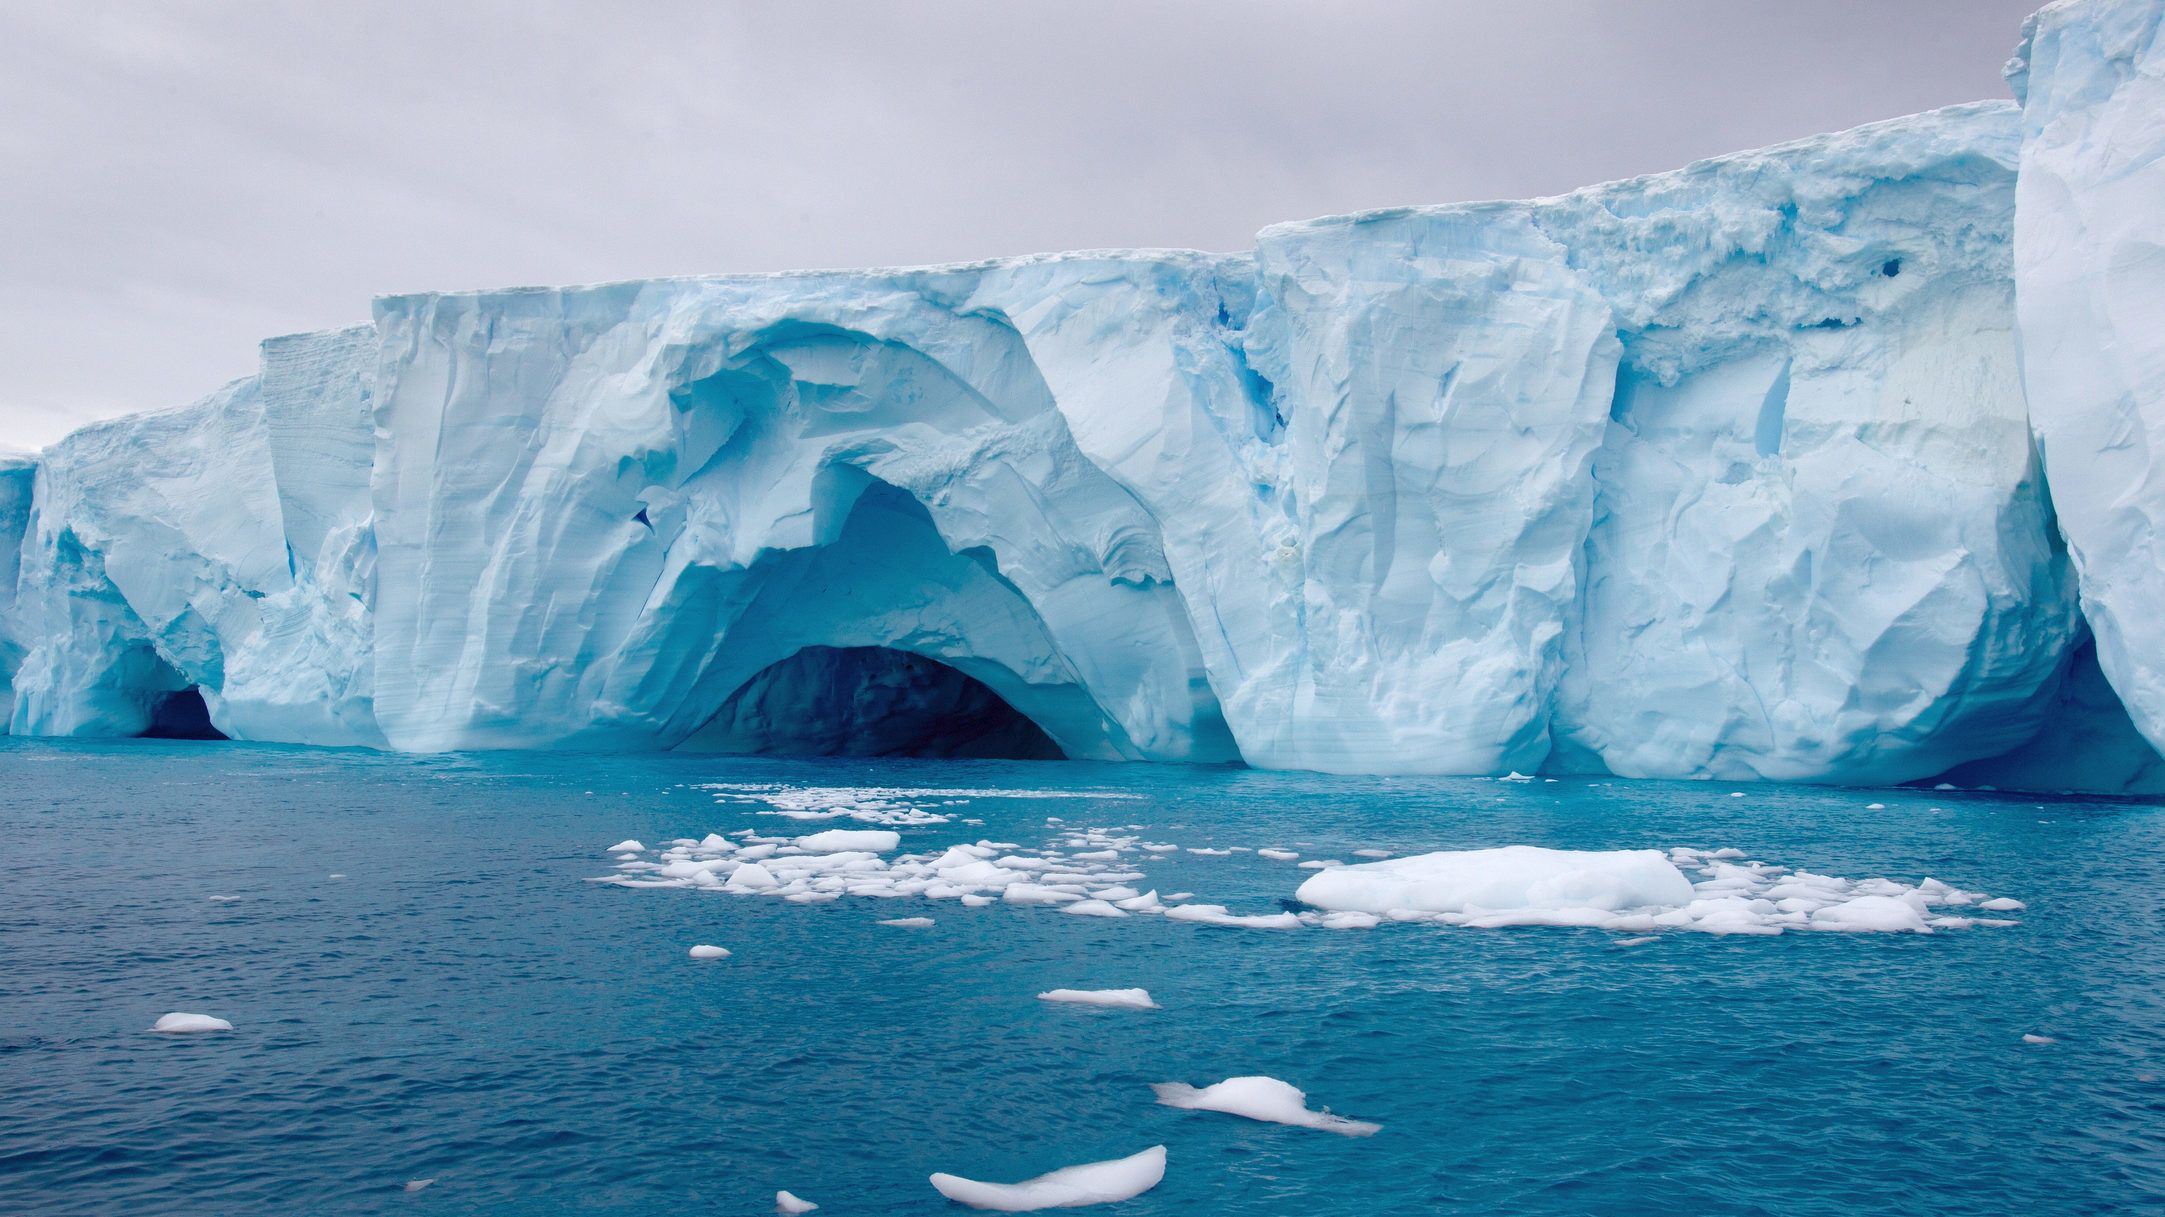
x: 462, y: 1005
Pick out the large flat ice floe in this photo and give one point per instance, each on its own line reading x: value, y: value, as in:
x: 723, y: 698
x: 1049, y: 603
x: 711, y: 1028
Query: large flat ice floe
x: 1635, y: 890
x: 1067, y: 1188
x: 1732, y: 471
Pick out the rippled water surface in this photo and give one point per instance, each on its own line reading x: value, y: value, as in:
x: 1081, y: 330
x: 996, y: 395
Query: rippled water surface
x: 424, y: 986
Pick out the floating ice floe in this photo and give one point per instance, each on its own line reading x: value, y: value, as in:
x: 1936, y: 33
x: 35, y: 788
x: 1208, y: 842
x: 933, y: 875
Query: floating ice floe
x: 189, y: 1024
x: 786, y: 1202
x: 1277, y: 855
x: 1260, y: 1098
x: 629, y: 845
x: 843, y: 840
x: 1087, y: 871
x: 1636, y: 890
x: 1067, y: 1188
x: 1118, y: 999
x: 415, y: 1185
x: 908, y: 923
x: 223, y: 899
x: 705, y: 951
x: 2034, y: 1038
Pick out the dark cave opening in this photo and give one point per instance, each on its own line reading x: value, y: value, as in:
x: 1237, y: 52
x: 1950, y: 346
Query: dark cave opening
x: 182, y: 715
x: 870, y: 701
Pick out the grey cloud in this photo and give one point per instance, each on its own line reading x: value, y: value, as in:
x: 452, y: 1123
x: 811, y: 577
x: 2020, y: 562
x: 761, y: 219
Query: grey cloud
x: 178, y: 181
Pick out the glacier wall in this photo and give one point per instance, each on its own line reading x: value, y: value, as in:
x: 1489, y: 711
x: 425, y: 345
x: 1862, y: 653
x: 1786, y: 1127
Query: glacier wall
x: 1725, y: 472
x: 2090, y: 257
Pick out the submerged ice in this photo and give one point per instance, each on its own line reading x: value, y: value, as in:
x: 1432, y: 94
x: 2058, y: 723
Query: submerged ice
x: 1754, y: 469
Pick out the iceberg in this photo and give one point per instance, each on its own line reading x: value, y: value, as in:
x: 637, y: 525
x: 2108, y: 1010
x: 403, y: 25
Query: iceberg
x: 1756, y: 469
x: 2091, y: 312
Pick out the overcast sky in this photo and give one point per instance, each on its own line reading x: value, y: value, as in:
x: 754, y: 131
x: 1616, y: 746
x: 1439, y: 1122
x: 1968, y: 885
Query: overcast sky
x: 181, y: 179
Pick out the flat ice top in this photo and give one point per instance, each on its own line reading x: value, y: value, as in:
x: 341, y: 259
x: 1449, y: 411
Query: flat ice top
x: 1066, y: 1188
x: 1510, y: 878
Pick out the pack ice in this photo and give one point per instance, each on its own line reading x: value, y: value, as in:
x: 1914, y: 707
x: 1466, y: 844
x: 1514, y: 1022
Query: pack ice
x: 1729, y: 472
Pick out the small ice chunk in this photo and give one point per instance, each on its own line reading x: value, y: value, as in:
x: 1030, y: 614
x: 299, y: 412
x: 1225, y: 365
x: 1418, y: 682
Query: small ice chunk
x: 786, y: 1202
x: 629, y: 845
x: 2002, y: 904
x: 415, y: 1185
x: 189, y: 1024
x: 1371, y: 853
x: 1066, y: 1188
x: 1875, y: 807
x: 1260, y: 1098
x: 1871, y: 914
x: 223, y: 899
x: 706, y: 951
x: 844, y: 840
x: 1639, y: 941
x: 1094, y: 908
x: 1515, y: 776
x: 1121, y: 999
x: 908, y: 923
x: 2033, y: 1038
x: 335, y: 875
x: 1218, y: 914
x: 1277, y: 855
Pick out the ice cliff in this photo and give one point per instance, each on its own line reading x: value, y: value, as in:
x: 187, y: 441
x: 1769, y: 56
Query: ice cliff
x: 1726, y: 472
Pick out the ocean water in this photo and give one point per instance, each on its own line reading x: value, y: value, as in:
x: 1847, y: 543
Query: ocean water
x: 425, y: 985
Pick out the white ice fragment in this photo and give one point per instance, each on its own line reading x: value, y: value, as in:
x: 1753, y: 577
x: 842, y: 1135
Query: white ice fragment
x: 1277, y: 855
x: 189, y: 1024
x: 1639, y: 941
x: 1094, y: 908
x: 1066, y: 1188
x: 1122, y: 999
x: 785, y: 1202
x: 2033, y: 1038
x: 223, y: 899
x: 1218, y: 914
x: 1260, y: 1098
x: 1511, y: 878
x: 629, y: 845
x: 1371, y: 853
x: 415, y: 1185
x: 841, y: 840
x: 908, y: 923
x: 2003, y: 904
x: 1875, y: 807
x: 705, y: 951
x: 1872, y: 914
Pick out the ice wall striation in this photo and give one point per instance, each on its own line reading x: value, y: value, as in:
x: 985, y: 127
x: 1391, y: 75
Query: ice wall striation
x: 2090, y: 266
x: 17, y: 479
x: 1726, y: 472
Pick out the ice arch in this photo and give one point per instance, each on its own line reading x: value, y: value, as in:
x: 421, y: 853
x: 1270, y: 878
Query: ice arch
x: 869, y: 701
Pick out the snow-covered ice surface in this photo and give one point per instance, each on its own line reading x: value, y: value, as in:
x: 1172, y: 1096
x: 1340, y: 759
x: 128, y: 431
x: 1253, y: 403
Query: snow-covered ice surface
x: 1726, y: 471
x: 1267, y: 1099
x: 1066, y: 1188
